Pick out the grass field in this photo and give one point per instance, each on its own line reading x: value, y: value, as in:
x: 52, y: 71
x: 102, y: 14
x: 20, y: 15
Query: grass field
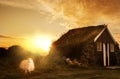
x: 61, y: 73
x: 55, y: 71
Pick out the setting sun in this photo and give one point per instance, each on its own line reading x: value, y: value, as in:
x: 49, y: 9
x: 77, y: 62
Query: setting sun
x: 38, y: 43
x: 42, y: 42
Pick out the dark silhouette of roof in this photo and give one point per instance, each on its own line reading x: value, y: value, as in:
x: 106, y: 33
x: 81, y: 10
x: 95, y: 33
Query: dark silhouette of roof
x: 79, y: 35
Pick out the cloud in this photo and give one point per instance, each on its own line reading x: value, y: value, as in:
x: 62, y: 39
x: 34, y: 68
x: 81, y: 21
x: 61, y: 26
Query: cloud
x: 74, y: 13
x: 10, y: 37
x: 28, y: 4
x: 3, y: 36
x: 87, y: 12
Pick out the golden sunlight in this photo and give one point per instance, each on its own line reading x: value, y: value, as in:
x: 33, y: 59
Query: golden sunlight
x: 42, y: 42
x: 39, y: 44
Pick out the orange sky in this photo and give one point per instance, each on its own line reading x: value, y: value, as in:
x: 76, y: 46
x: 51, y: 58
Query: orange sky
x: 27, y: 18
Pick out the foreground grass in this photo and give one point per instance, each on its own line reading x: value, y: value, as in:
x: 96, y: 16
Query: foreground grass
x: 61, y: 73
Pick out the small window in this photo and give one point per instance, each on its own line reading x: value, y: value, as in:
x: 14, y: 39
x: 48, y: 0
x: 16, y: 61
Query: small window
x: 99, y: 46
x: 111, y: 47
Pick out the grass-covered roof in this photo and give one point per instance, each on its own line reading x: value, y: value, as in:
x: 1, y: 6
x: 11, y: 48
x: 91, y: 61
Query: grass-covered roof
x: 79, y: 35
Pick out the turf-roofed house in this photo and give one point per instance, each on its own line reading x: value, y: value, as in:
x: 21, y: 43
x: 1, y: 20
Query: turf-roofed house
x: 92, y: 45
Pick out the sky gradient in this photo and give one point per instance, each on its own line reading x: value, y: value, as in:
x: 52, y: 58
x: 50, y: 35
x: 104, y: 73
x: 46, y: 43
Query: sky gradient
x: 26, y: 18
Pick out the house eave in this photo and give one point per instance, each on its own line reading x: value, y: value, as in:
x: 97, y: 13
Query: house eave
x: 95, y: 39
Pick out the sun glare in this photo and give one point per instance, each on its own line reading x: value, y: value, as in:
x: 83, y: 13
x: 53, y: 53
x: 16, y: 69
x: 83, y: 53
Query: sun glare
x: 41, y: 43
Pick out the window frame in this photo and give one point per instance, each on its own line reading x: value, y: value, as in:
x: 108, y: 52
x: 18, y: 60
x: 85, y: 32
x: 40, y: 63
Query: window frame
x: 99, y: 46
x: 112, y: 47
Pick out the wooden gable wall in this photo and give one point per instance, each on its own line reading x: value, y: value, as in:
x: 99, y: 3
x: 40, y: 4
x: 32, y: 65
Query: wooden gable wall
x: 105, y: 37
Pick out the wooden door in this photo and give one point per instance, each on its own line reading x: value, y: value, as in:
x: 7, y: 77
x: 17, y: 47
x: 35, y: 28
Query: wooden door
x: 106, y: 54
